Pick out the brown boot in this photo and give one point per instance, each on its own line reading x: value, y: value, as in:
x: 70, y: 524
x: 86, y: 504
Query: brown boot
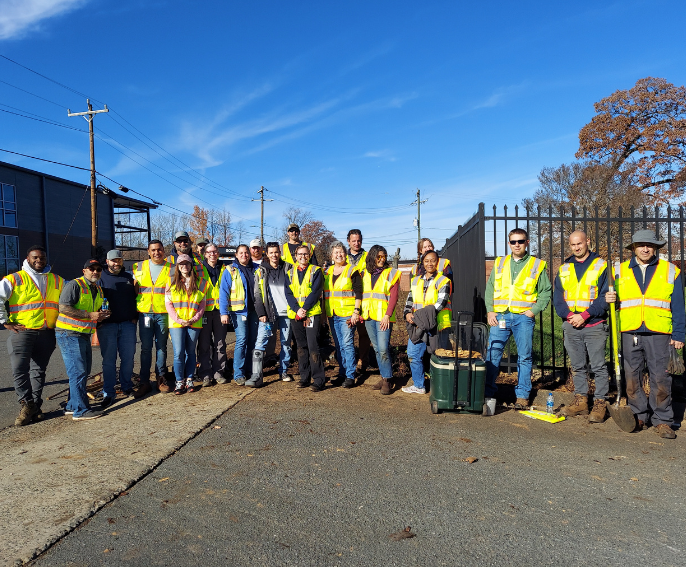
x: 665, y: 431
x: 162, y: 384
x: 378, y: 385
x: 578, y: 407
x: 143, y: 389
x: 598, y: 412
x: 28, y: 410
x: 385, y: 387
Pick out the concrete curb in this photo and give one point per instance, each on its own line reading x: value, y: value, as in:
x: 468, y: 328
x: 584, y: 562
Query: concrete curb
x: 54, y: 476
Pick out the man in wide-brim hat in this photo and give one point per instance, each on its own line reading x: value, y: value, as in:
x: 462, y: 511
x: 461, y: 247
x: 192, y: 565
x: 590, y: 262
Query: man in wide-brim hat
x: 652, y: 321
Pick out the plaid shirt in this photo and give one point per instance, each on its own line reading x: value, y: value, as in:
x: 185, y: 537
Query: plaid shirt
x: 441, y: 303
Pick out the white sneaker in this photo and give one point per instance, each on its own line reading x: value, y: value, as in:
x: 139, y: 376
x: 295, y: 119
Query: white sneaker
x: 287, y: 378
x: 413, y: 390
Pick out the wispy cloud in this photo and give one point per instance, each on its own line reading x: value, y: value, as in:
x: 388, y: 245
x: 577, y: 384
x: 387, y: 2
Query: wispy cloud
x: 18, y: 17
x: 380, y: 154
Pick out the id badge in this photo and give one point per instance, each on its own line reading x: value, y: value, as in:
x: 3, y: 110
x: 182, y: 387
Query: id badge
x: 502, y: 324
x: 147, y: 321
x: 244, y: 318
x: 204, y: 320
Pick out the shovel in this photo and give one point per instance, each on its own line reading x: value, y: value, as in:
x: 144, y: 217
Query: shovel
x: 621, y: 415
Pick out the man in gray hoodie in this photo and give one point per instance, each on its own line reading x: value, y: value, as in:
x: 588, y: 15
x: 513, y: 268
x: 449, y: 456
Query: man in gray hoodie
x: 33, y: 296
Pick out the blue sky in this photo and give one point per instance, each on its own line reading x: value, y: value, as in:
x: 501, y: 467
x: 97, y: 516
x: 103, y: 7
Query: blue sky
x: 349, y: 104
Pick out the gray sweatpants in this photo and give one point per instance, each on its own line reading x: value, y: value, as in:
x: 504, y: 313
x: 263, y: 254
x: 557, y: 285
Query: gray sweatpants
x: 653, y: 351
x: 591, y: 341
x: 30, y: 351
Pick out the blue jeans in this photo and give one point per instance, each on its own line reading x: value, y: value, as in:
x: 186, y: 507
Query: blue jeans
x: 184, y: 340
x: 415, y: 353
x: 284, y: 325
x: 246, y: 336
x: 77, y: 356
x: 115, y: 337
x: 522, y: 327
x: 344, y: 340
x: 381, y: 340
x: 159, y: 331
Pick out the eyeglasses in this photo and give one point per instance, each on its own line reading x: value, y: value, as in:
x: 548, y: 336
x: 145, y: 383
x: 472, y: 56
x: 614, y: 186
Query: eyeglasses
x: 513, y: 242
x: 302, y: 254
x: 184, y: 240
x: 211, y: 252
x: 94, y: 269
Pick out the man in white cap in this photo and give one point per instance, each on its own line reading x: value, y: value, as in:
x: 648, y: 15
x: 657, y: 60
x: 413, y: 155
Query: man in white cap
x: 256, y: 251
x: 653, y: 321
x: 117, y: 333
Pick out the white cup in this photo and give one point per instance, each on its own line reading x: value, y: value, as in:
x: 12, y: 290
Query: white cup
x: 489, y: 406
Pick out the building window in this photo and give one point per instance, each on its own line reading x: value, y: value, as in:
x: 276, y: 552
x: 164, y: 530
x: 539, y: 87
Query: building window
x: 8, y: 206
x: 9, y: 254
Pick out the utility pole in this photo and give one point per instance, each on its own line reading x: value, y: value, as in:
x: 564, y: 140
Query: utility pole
x: 94, y: 203
x: 419, y: 212
x: 262, y: 200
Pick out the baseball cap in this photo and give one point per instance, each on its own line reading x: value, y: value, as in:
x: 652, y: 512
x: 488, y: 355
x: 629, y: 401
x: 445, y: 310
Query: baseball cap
x: 92, y: 263
x: 181, y: 234
x: 255, y: 242
x: 202, y: 241
x: 184, y: 258
x: 114, y: 254
x: 293, y: 226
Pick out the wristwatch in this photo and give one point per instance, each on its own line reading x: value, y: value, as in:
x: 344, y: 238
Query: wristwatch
x: 357, y: 310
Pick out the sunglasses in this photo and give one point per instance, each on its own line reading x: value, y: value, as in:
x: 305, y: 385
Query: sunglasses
x: 513, y: 242
x: 94, y: 269
x: 184, y: 240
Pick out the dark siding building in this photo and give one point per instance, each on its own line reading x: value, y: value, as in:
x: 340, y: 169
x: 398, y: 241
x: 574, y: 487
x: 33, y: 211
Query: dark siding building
x: 53, y: 212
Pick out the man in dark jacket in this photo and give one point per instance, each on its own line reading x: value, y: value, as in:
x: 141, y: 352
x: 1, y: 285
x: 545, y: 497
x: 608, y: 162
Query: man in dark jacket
x: 579, y: 298
x: 117, y: 333
x: 271, y: 306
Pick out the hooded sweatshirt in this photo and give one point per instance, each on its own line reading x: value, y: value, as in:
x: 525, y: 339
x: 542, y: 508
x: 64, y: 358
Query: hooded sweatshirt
x: 7, y: 285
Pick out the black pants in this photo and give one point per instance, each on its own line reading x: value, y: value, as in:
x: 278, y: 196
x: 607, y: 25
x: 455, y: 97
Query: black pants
x: 30, y: 351
x: 212, y: 347
x: 651, y: 351
x: 309, y: 360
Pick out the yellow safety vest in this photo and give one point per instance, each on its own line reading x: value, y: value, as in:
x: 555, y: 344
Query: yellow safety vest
x: 375, y: 300
x: 518, y: 296
x: 361, y: 263
x: 301, y: 291
x: 150, y: 294
x: 443, y: 263
x: 420, y: 299
x: 339, y: 297
x: 286, y: 252
x: 580, y: 294
x: 197, y: 264
x: 26, y: 304
x: 87, y: 303
x: 186, y: 304
x: 212, y: 297
x: 237, y: 297
x: 653, y: 308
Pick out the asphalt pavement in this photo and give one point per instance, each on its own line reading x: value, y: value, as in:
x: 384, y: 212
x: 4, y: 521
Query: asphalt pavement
x: 292, y: 477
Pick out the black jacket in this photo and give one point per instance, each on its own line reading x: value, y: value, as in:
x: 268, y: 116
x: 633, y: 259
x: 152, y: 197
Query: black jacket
x: 272, y: 276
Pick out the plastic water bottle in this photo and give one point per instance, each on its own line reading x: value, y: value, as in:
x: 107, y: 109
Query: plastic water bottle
x: 105, y: 305
x: 550, y: 403
x: 268, y: 329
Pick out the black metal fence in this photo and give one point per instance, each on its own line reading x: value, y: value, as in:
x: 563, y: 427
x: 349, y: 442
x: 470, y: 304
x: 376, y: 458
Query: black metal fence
x: 482, y: 238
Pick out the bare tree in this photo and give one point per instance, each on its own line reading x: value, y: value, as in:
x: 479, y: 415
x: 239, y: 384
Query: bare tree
x: 292, y: 215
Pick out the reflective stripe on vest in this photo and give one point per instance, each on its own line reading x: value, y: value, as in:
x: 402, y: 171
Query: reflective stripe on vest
x: 237, y: 296
x: 651, y: 308
x: 302, y: 290
x: 212, y: 296
x: 85, y: 303
x: 28, y: 307
x: 339, y: 297
x: 187, y: 304
x: 580, y: 294
x: 286, y: 252
x: 150, y: 297
x: 375, y: 300
x: 520, y: 295
x: 421, y: 299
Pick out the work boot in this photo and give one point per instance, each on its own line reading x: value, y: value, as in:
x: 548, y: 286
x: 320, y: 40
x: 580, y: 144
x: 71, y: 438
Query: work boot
x: 521, y: 404
x: 598, y: 411
x: 143, y: 389
x: 385, y: 387
x: 162, y: 384
x: 378, y: 385
x: 38, y: 416
x: 578, y: 407
x: 256, y: 378
x: 26, y: 413
x: 665, y: 431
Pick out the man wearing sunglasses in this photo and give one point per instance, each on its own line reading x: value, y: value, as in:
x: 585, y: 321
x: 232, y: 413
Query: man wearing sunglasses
x: 518, y: 289
x: 183, y: 245
x: 294, y: 241
x: 79, y: 313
